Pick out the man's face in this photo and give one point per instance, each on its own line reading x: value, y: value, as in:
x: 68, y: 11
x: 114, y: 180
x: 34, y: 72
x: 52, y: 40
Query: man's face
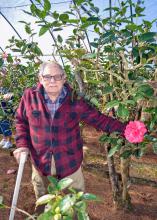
x: 52, y: 79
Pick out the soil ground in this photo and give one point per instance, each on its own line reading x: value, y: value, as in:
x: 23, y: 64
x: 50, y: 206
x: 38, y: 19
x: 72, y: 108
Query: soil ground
x: 143, y: 189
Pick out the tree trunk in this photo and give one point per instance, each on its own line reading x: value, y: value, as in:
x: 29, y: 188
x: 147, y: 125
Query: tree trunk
x: 126, y: 200
x: 116, y: 191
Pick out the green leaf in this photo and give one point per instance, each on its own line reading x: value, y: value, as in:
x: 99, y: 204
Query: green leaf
x: 53, y: 180
x: 147, y: 36
x: 67, y: 202
x: 138, y: 153
x: 107, y: 90
x: 45, y: 216
x: 27, y: 29
x: 89, y: 196
x: 64, y: 183
x: 9, y: 58
x: 81, y: 205
x: 112, y: 104
x: 82, y: 216
x: 57, y: 29
x: 139, y: 9
x: 146, y: 90
x: 45, y: 199
x: 57, y: 217
x: 47, y: 5
x: 89, y: 56
x: 37, y: 51
x: 33, y: 9
x: 95, y: 102
x: 93, y: 18
x: 104, y: 138
x: 122, y: 111
x: 1, y: 62
x: 113, y: 150
x: 131, y: 102
x: 94, y: 44
x: 73, y: 21
x: 126, y: 154
x: 64, y: 17
x: 43, y: 30
x: 59, y: 38
x: 79, y: 2
x: 132, y: 27
x: 55, y: 15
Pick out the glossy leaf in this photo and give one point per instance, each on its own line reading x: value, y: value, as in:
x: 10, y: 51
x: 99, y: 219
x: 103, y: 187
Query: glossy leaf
x: 64, y: 17
x: 147, y: 36
x: 82, y: 216
x: 122, y: 111
x: 44, y: 199
x: 43, y: 30
x: 67, y: 202
x: 95, y: 101
x: 146, y: 90
x: 64, y: 183
x: 113, y: 150
x: 45, y: 216
x: 126, y: 154
x: 81, y: 205
x: 112, y: 104
x: 89, y: 56
x: 53, y: 180
x: 47, y: 5
x: 89, y: 196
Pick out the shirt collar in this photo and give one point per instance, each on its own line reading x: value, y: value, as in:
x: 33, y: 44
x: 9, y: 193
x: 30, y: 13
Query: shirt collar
x: 62, y: 94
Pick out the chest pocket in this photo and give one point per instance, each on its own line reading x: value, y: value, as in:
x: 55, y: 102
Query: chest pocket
x: 34, y: 117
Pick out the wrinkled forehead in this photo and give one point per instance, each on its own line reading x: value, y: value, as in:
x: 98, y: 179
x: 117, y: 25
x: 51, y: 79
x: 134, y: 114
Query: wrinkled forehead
x: 53, y: 68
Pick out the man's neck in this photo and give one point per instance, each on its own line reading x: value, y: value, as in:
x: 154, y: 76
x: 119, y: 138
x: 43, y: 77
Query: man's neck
x: 53, y: 96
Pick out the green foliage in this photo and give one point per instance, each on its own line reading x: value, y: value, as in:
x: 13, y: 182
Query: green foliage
x: 62, y: 205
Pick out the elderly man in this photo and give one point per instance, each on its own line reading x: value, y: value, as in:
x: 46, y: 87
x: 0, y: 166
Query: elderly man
x: 47, y: 126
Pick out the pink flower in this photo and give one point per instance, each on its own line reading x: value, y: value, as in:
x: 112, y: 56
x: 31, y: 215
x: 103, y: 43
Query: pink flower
x: 135, y: 131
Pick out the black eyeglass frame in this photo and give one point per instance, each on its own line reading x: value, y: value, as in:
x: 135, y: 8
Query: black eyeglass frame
x: 57, y: 77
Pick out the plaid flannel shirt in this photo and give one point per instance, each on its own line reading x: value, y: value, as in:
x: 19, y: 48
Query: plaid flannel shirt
x: 60, y: 136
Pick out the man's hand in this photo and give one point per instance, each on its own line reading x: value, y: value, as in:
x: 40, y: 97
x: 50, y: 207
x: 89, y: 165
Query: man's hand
x: 17, y: 152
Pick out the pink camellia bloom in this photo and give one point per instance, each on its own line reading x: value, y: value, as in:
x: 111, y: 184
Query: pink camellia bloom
x: 135, y: 131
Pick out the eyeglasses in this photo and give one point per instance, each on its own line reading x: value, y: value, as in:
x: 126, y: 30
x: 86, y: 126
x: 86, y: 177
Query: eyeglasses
x: 57, y: 77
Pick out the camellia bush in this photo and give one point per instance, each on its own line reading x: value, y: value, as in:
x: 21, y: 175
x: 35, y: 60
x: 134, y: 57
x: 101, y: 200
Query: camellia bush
x: 110, y: 60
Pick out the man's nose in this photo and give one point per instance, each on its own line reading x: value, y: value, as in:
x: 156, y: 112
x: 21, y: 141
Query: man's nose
x: 52, y: 79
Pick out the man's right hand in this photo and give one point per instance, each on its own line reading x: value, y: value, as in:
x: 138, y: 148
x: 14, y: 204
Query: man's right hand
x: 18, y: 151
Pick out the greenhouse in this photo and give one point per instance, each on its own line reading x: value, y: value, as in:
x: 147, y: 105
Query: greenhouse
x: 78, y: 110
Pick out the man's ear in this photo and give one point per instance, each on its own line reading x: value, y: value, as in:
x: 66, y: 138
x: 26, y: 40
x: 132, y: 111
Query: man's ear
x: 64, y: 77
x: 40, y: 78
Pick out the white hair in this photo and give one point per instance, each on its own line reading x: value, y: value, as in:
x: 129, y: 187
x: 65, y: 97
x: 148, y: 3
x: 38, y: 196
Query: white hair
x: 52, y: 64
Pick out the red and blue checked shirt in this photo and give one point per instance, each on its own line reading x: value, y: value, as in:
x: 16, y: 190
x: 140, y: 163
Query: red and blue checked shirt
x: 60, y: 136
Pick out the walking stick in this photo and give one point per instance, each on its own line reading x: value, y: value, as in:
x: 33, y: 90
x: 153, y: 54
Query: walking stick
x: 23, y: 158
